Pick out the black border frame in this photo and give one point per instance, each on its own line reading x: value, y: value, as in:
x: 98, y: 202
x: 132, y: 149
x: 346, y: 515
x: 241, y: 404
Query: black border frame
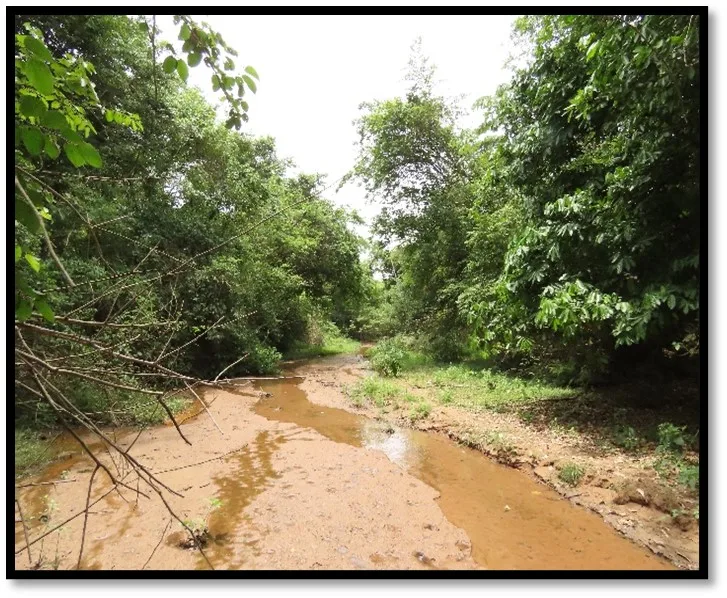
x: 701, y: 573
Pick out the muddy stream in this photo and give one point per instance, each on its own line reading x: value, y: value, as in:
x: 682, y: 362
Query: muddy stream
x: 296, y: 483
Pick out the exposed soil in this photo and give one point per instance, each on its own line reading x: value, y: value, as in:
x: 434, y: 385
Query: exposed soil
x: 622, y: 489
x: 295, y: 481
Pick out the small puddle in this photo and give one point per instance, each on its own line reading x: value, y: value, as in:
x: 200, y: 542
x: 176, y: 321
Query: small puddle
x: 512, y: 521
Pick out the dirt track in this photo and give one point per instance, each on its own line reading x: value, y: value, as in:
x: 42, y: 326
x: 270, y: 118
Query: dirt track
x: 293, y: 484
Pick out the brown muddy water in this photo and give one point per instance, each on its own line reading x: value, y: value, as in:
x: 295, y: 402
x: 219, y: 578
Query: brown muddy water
x: 512, y: 521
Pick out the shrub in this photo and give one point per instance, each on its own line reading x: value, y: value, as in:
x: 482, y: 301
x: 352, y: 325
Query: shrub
x: 626, y: 438
x: 689, y: 475
x: 387, y: 358
x: 671, y: 438
x: 571, y: 473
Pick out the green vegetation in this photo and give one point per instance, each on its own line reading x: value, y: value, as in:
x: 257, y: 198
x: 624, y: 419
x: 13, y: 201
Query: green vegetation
x: 31, y: 451
x: 325, y: 339
x: 536, y: 264
x: 571, y: 473
x: 561, y: 236
x: 153, y: 242
x: 672, y: 461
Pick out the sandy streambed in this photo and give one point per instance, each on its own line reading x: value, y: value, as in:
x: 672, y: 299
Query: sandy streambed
x: 293, y: 483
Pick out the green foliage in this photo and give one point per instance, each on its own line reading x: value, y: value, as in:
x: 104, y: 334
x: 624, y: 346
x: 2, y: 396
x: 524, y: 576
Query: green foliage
x: 689, y: 476
x: 379, y: 391
x: 671, y: 438
x: 192, y: 235
x: 387, y: 357
x: 30, y: 451
x: 626, y: 438
x: 420, y: 410
x: 567, y: 232
x: 571, y: 473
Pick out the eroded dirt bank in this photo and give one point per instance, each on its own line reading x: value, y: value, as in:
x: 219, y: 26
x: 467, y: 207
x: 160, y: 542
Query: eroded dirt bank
x: 294, y: 482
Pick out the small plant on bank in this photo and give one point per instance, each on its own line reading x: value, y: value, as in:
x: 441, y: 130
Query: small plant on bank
x: 626, y: 438
x: 571, y: 474
x: 671, y: 438
x: 420, y: 411
x: 387, y: 358
x: 199, y: 527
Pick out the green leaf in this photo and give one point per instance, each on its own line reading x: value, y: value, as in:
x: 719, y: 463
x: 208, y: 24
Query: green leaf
x: 32, y: 106
x: 229, y: 64
x: 109, y: 115
x: 185, y: 32
x: 74, y: 155
x: 37, y: 47
x: 44, y: 309
x: 26, y: 216
x: 194, y: 59
x: 33, y: 140
x: 55, y: 120
x: 250, y: 83
x: 252, y: 71
x: 39, y: 76
x: 23, y: 310
x: 183, y: 70
x: 215, y: 83
x: 593, y: 48
x: 90, y: 155
x: 18, y: 253
x: 33, y: 261
x: 51, y: 149
x: 169, y: 64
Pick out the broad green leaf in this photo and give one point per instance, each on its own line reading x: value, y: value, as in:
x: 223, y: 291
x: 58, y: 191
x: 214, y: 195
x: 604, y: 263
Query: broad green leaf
x: 229, y: 64
x: 26, y: 216
x: 250, y: 83
x: 18, y: 253
x: 183, y: 70
x: 185, y: 32
x: 23, y: 310
x: 215, y: 83
x: 32, y: 106
x: 51, y: 149
x: 33, y: 261
x: 194, y: 59
x: 44, y: 309
x: 37, y: 47
x: 55, y: 120
x: 74, y: 155
x: 593, y: 48
x: 252, y: 71
x: 169, y: 64
x: 90, y: 155
x: 109, y: 115
x: 33, y: 140
x: 40, y: 77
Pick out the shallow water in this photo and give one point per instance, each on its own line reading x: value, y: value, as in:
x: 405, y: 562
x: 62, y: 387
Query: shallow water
x: 512, y: 521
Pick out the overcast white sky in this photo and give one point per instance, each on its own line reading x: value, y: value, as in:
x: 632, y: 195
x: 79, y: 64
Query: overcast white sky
x: 316, y: 70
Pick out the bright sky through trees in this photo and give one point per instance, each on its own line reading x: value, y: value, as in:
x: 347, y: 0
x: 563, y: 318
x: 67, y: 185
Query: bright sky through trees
x: 316, y: 70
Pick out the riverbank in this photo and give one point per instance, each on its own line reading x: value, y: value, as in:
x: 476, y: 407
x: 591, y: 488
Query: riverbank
x: 624, y: 489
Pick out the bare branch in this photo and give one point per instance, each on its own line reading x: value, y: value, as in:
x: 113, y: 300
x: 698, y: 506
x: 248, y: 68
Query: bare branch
x: 25, y: 530
x: 48, y: 242
x: 229, y: 366
x: 85, y: 517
